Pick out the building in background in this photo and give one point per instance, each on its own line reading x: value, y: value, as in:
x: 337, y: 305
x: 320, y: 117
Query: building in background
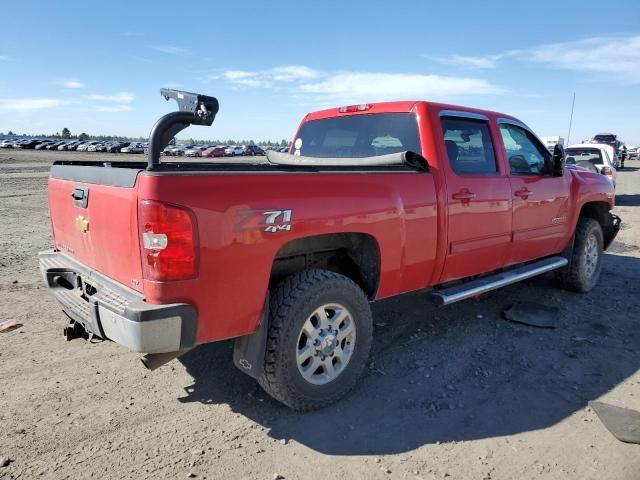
x: 551, y: 141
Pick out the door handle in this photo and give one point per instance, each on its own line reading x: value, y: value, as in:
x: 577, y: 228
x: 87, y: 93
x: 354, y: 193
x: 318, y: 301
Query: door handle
x: 523, y: 193
x: 464, y: 195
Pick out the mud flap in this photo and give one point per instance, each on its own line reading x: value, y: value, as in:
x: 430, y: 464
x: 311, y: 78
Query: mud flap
x: 249, y: 350
x: 612, y: 232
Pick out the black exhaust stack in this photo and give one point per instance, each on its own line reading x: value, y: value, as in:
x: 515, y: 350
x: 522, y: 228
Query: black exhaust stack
x: 195, y: 109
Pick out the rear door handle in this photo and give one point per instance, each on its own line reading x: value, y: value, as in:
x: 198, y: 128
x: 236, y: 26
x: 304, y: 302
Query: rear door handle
x: 523, y: 193
x: 464, y: 195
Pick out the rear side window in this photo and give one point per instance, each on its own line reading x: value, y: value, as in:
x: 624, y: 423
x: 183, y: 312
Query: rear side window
x: 357, y: 136
x: 469, y: 146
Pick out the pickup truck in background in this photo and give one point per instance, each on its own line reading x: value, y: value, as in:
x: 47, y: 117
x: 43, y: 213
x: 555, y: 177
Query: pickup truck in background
x: 372, y: 201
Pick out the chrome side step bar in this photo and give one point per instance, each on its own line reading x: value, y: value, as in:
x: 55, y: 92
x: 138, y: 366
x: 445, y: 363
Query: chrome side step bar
x: 450, y: 295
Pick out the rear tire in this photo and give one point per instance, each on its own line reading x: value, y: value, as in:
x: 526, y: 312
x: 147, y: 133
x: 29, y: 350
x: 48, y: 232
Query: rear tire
x: 319, y: 339
x: 583, y: 271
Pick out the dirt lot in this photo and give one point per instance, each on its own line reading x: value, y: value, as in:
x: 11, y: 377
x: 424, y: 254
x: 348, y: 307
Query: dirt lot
x: 456, y: 392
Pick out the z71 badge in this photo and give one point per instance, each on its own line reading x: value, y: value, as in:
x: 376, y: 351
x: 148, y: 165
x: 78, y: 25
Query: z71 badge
x: 271, y: 221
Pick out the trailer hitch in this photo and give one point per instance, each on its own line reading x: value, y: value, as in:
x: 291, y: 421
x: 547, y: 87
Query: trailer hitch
x: 194, y: 109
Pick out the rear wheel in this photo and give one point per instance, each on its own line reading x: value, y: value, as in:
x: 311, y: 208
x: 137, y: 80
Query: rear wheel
x: 583, y: 272
x: 319, y: 339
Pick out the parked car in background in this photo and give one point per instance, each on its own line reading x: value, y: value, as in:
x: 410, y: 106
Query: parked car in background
x: 253, y: 150
x: 239, y: 151
x: 116, y: 147
x: 6, y: 143
x: 173, y: 150
x: 214, y: 151
x: 633, y: 152
x: 595, y: 157
x: 195, y: 151
x: 75, y: 146
x: 610, y: 139
x: 133, y: 148
x: 43, y: 145
x: 54, y: 145
x: 68, y: 145
x: 228, y: 152
x: 30, y: 144
x: 96, y: 147
x: 85, y: 146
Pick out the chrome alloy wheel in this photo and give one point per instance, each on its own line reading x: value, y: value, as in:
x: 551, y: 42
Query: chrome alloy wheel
x: 591, y: 256
x: 325, y: 344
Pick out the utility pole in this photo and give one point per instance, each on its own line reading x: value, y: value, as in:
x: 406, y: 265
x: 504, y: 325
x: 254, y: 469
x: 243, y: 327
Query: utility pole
x: 573, y: 104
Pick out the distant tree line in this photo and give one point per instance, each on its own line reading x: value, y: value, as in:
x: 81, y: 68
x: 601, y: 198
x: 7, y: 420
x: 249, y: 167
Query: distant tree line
x: 66, y: 134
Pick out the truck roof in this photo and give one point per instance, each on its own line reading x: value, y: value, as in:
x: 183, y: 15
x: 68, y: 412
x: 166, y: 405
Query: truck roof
x: 396, y: 107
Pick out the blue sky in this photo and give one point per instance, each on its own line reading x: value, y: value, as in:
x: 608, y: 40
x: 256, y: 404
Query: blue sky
x: 98, y: 67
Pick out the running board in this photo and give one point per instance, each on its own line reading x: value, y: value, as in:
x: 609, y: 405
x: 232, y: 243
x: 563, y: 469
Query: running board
x: 450, y: 295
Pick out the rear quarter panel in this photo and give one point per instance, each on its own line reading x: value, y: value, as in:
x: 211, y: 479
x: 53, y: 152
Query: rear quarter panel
x: 397, y: 209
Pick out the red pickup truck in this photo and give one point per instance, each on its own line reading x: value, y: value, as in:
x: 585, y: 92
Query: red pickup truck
x: 285, y: 255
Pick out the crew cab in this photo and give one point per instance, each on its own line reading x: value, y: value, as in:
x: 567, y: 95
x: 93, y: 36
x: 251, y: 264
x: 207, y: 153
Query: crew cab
x: 286, y: 255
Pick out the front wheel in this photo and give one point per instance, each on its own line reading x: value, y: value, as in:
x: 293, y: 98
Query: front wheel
x: 319, y: 339
x: 583, y: 272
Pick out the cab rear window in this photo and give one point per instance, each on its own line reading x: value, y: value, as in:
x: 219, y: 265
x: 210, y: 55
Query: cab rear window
x: 357, y: 136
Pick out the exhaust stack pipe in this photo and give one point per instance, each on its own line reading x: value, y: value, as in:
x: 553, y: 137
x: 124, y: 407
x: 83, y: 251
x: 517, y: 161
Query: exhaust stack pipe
x: 155, y: 360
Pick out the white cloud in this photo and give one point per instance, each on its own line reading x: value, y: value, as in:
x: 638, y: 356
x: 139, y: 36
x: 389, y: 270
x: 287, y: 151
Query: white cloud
x: 73, y: 84
x: 111, y: 108
x: 489, y: 61
x: 29, y: 104
x: 619, y: 55
x: 366, y: 86
x: 268, y: 78
x: 119, y: 102
x: 293, y: 72
x: 245, y: 79
x: 357, y: 86
x: 170, y: 49
x: 121, y: 97
x: 3, y: 58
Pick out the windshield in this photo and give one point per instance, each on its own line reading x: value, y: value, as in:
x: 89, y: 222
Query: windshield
x: 358, y: 136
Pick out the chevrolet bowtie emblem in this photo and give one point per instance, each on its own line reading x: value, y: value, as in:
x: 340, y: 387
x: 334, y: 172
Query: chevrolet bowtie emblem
x: 82, y: 224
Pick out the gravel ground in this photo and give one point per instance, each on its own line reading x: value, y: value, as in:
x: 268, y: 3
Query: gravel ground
x: 456, y: 393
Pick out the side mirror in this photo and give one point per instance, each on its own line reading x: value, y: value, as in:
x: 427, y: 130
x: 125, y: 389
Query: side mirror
x: 558, y: 161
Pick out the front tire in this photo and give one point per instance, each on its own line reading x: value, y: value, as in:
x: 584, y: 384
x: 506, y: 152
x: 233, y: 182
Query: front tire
x: 319, y: 339
x: 583, y: 272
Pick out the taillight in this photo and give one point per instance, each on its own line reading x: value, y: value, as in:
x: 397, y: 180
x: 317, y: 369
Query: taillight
x: 168, y: 240
x: 606, y: 171
x: 355, y: 108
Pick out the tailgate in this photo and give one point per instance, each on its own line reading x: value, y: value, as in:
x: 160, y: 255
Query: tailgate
x: 94, y: 217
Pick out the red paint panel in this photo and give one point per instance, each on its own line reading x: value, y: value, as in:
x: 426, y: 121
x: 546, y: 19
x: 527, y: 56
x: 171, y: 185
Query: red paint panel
x: 542, y: 233
x: 484, y: 242
x: 397, y: 209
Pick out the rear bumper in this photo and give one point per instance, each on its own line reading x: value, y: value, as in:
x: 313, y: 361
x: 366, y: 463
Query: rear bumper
x: 109, y: 310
